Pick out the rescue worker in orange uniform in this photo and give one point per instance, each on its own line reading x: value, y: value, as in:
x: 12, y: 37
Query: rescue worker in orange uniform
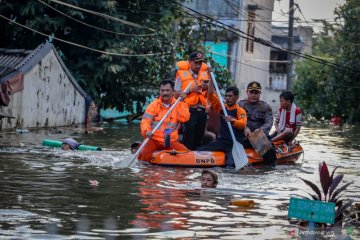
x: 195, y: 71
x: 166, y: 137
x: 236, y: 117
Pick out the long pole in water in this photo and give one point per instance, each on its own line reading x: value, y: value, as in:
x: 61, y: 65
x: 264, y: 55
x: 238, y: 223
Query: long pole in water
x: 157, y: 126
x: 238, y: 151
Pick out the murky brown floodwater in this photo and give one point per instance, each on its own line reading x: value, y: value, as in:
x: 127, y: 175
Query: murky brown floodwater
x: 45, y: 193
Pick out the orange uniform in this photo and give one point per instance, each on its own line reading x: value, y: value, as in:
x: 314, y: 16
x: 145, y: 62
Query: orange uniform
x: 235, y: 111
x: 152, y: 116
x: 186, y: 76
x: 224, y: 141
x: 194, y: 129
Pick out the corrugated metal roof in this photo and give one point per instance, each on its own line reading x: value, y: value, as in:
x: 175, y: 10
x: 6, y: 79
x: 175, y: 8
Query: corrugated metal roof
x: 12, y: 59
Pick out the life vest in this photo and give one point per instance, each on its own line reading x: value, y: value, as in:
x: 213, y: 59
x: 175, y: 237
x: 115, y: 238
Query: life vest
x: 186, y: 77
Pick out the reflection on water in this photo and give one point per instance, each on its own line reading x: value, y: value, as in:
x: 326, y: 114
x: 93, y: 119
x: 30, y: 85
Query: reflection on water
x: 46, y: 193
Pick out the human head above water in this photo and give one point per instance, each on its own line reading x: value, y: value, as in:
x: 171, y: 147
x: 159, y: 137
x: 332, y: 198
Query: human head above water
x: 69, y: 144
x: 134, y: 146
x: 209, y: 179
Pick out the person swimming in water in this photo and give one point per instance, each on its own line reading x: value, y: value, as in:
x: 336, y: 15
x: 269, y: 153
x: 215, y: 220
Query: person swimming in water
x: 134, y: 147
x: 209, y: 179
x: 69, y: 144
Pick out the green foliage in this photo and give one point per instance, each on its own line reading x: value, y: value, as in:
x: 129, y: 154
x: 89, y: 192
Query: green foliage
x: 330, y: 191
x: 311, y: 88
x: 113, y: 81
x: 326, y: 91
x: 347, y: 83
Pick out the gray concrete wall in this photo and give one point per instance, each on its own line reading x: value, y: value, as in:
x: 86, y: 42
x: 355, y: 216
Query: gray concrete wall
x: 49, y: 98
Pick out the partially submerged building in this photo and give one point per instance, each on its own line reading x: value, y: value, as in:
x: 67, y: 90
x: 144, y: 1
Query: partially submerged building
x: 37, y: 89
x: 277, y: 81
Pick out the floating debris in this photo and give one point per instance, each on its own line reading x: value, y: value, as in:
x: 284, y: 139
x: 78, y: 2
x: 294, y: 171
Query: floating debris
x: 94, y: 183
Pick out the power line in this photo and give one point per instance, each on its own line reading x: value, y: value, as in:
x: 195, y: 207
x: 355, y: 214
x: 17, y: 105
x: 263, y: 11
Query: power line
x: 271, y: 10
x: 228, y: 30
x: 210, y: 19
x: 137, y: 10
x: 92, y: 26
x: 245, y: 14
x: 238, y: 61
x: 79, y: 45
x: 262, y: 41
x: 103, y: 15
x: 271, y: 20
x: 292, y: 52
x: 298, y: 7
x: 304, y: 43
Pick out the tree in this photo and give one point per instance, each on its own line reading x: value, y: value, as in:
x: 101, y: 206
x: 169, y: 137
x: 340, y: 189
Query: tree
x: 346, y: 83
x: 313, y: 78
x: 325, y: 91
x: 115, y: 81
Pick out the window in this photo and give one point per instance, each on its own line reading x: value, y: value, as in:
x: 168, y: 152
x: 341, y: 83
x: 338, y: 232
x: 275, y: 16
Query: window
x: 250, y: 32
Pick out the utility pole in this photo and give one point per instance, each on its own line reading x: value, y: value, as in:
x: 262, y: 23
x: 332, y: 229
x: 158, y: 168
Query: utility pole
x: 290, y: 44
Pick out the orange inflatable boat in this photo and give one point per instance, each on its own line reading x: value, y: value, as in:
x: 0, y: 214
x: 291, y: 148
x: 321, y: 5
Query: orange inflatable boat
x: 189, y: 158
x: 284, y: 155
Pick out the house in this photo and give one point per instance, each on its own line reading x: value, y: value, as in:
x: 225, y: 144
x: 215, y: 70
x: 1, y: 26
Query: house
x: 37, y: 90
x: 223, y: 48
x: 277, y: 81
x: 247, y: 60
x: 253, y: 56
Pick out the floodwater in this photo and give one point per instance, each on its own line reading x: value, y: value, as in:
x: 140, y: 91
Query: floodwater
x: 51, y: 194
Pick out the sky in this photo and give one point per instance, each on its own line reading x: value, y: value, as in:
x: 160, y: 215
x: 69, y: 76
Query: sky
x: 311, y: 9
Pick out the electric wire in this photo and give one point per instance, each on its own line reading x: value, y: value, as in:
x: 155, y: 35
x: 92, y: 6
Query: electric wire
x: 103, y: 15
x: 245, y: 14
x: 238, y: 61
x: 79, y: 45
x: 92, y: 26
x: 264, y: 42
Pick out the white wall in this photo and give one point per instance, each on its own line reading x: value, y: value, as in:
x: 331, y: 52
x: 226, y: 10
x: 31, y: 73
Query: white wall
x: 49, y: 98
x: 255, y: 66
x: 305, y: 33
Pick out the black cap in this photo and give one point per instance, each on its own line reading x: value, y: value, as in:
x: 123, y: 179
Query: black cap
x: 196, y: 56
x: 254, y: 86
